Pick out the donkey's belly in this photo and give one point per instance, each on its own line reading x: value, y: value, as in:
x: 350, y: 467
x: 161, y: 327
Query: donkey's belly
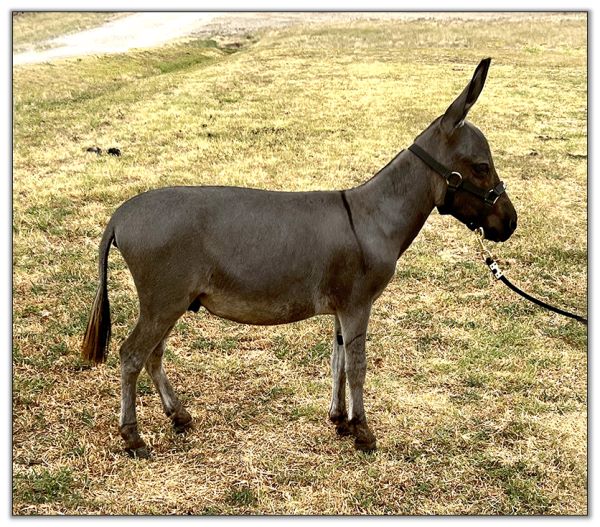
x: 260, y: 312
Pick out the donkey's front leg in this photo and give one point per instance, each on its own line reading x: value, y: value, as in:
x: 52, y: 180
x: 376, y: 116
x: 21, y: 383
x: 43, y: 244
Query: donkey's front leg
x: 354, y: 332
x: 338, y: 414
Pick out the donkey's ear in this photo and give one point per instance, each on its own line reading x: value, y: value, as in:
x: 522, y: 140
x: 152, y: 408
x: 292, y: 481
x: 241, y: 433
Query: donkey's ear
x: 457, y: 111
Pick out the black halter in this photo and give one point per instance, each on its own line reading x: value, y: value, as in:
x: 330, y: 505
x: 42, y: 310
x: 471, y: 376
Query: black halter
x: 456, y: 182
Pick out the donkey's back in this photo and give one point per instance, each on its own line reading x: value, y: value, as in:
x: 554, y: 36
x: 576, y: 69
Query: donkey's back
x: 253, y: 256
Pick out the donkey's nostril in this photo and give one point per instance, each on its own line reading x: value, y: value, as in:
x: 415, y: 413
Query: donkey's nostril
x: 512, y: 224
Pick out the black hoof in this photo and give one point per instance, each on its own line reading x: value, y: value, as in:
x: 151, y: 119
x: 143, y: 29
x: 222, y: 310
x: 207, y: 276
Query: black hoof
x: 365, y: 445
x: 181, y: 420
x: 342, y: 427
x: 181, y: 427
x: 364, y: 439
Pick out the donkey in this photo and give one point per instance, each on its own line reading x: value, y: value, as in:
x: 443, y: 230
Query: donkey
x: 264, y: 257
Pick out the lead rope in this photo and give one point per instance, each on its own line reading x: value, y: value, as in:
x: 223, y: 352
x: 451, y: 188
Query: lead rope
x: 499, y: 275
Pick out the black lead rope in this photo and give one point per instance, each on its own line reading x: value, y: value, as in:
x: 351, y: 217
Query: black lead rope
x: 499, y: 275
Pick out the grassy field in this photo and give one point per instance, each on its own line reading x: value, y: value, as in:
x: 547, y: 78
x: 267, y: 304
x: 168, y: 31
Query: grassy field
x: 478, y: 399
x: 31, y: 31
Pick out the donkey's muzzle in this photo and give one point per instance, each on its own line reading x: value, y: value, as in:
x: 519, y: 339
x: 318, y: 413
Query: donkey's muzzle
x: 495, y: 234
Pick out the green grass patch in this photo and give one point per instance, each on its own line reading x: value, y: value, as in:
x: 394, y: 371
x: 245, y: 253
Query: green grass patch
x: 241, y: 497
x: 46, y: 486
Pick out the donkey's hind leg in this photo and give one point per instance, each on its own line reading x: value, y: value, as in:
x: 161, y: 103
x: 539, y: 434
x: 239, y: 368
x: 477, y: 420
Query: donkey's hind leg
x: 145, y: 337
x: 179, y: 416
x: 338, y: 414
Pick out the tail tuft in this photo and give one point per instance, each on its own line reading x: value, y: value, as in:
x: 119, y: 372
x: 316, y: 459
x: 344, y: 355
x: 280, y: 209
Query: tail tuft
x: 97, y: 333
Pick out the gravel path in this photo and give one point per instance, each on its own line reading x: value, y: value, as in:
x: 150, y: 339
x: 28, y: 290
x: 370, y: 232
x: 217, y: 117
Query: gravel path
x: 145, y: 30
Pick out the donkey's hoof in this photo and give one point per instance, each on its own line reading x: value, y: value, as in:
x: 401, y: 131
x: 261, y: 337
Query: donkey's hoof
x: 342, y: 427
x: 365, y: 445
x: 140, y: 452
x: 182, y: 421
x: 180, y: 427
x: 364, y: 439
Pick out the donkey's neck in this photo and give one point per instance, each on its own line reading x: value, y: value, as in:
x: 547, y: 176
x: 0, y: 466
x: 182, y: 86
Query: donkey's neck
x: 396, y: 201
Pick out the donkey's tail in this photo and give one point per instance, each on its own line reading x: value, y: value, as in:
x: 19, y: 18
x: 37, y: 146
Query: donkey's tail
x: 97, y: 333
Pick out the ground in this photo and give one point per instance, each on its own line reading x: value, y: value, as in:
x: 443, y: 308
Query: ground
x: 41, y: 37
x: 478, y: 399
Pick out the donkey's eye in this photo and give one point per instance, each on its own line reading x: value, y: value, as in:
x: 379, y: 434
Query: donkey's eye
x: 481, y: 169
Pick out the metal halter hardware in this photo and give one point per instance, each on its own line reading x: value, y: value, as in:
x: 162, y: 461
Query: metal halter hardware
x: 456, y: 182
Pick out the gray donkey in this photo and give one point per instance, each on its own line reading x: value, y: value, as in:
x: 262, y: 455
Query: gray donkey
x: 262, y: 257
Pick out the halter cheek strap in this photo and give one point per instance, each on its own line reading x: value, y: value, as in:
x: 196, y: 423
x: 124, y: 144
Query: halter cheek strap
x: 456, y: 182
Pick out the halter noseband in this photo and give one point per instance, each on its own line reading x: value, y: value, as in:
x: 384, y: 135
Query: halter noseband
x: 456, y: 182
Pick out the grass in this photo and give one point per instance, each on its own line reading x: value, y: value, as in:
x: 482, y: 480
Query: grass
x: 34, y: 30
x: 44, y: 486
x: 478, y: 399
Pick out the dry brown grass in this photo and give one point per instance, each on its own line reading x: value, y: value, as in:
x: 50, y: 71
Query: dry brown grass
x: 477, y: 398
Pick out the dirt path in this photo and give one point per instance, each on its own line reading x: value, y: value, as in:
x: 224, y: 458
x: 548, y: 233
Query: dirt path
x: 145, y: 30
x: 139, y: 30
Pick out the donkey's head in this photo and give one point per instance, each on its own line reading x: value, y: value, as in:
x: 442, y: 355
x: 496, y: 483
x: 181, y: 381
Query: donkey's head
x: 458, y: 151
